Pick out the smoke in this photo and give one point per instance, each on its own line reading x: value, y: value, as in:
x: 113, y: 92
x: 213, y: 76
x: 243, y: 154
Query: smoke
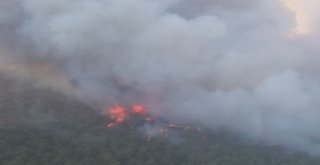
x: 240, y: 65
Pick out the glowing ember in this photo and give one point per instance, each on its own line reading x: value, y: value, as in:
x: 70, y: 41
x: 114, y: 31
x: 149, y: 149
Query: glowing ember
x: 153, y: 126
x: 118, y: 114
x: 138, y: 109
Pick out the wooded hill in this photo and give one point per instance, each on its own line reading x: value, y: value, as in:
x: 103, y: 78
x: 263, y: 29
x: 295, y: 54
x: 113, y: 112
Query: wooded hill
x: 44, y: 127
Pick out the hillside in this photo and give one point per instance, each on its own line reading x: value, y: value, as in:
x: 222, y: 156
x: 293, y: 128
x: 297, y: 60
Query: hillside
x: 39, y: 126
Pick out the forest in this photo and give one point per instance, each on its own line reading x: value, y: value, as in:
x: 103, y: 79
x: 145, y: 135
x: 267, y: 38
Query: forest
x: 40, y: 126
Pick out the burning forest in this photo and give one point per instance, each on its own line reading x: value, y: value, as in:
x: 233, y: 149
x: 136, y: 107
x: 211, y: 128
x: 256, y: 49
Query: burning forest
x: 161, y: 68
x: 138, y: 117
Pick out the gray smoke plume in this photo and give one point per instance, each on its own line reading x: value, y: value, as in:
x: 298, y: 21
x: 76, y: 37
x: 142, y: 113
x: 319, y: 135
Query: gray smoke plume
x: 232, y: 64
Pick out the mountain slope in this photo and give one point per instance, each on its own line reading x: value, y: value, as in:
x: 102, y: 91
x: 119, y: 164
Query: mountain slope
x: 39, y: 126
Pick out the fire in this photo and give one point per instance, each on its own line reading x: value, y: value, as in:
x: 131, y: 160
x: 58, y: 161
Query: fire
x: 138, y: 109
x: 118, y: 113
x: 152, y: 126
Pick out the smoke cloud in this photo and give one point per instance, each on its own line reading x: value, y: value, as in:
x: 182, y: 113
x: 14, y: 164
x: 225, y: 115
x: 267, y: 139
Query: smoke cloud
x: 239, y: 65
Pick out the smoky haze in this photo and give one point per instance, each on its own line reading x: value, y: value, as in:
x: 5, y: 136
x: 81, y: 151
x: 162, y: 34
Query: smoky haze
x: 232, y: 64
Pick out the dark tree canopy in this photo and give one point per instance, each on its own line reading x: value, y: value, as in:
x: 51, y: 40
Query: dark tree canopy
x: 43, y: 127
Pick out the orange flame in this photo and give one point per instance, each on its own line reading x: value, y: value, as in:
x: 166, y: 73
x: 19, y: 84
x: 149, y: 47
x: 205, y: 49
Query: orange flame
x: 138, y: 109
x: 119, y: 114
x: 155, y: 127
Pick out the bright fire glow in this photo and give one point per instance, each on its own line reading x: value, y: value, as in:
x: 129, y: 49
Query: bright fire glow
x: 138, y: 109
x: 154, y: 127
x: 118, y: 113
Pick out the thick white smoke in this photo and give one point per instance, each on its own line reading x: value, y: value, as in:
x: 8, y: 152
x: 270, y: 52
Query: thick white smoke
x: 233, y: 64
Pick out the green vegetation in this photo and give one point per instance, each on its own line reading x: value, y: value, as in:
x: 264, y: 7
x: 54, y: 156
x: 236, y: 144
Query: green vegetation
x: 43, y: 127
